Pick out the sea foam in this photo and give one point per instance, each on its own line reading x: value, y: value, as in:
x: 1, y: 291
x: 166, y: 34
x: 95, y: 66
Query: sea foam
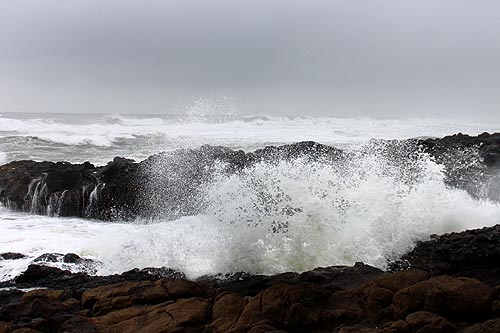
x: 274, y: 216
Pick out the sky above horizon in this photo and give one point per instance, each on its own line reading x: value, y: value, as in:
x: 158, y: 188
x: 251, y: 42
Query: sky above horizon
x: 375, y: 58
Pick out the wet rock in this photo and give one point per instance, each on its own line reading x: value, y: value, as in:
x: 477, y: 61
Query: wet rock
x: 72, y: 258
x: 490, y: 326
x: 472, y: 253
x: 53, y: 295
x: 8, y: 296
x: 183, y: 315
x: 153, y: 272
x: 226, y: 311
x: 371, y: 301
x: 12, y: 256
x: 6, y: 327
x: 163, y: 185
x: 341, y: 277
x: 462, y: 299
x: 423, y: 321
x: 69, y: 258
x: 168, y: 184
x: 102, y: 300
x: 35, y: 273
x: 406, y: 301
x: 333, y: 277
x: 50, y: 257
x: 39, y: 276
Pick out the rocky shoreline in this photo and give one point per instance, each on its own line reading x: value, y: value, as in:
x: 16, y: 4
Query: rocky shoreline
x: 461, y: 294
x: 450, y: 283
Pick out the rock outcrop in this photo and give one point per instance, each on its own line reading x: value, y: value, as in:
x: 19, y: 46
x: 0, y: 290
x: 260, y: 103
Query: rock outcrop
x: 165, y: 184
x: 168, y: 184
x: 335, y: 299
x: 473, y: 253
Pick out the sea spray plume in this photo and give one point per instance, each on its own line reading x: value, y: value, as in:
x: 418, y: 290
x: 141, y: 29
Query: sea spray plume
x: 173, y: 181
x: 211, y: 109
x: 168, y: 185
x: 296, y: 214
x: 472, y: 162
x: 315, y: 206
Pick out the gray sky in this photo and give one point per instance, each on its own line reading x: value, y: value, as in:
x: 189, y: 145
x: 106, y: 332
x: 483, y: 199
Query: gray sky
x: 375, y: 58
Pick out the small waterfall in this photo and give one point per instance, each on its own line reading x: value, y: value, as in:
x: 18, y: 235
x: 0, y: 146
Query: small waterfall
x: 28, y: 198
x: 92, y: 209
x: 83, y: 201
x: 56, y: 201
x: 36, y: 197
x: 53, y: 204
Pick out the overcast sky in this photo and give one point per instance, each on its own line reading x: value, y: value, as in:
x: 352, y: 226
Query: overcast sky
x: 375, y: 58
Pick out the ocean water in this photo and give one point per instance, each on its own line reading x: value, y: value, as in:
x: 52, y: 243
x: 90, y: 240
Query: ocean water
x: 272, y: 217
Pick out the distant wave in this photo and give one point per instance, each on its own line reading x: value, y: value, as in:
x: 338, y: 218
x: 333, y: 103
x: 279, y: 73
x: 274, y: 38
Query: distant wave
x: 125, y: 121
x: 138, y: 136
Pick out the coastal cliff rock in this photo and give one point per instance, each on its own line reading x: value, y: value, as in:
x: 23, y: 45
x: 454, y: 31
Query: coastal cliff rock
x: 165, y: 184
x: 473, y: 253
x: 489, y: 145
x: 168, y: 184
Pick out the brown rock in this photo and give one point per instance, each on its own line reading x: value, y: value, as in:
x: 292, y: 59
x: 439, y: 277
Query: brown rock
x: 251, y: 313
x: 358, y: 329
x: 396, y: 281
x: 6, y: 327
x: 226, y: 310
x: 78, y: 324
x: 490, y: 326
x: 424, y: 322
x: 164, y: 317
x: 122, y: 295
x: 370, y: 301
x: 264, y: 326
x: 455, y: 298
x: 286, y: 305
x: 37, y: 308
x: 53, y: 295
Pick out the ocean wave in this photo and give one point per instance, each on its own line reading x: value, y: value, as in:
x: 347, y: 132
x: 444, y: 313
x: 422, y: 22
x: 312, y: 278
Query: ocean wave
x: 151, y: 134
x: 276, y: 216
x: 132, y: 121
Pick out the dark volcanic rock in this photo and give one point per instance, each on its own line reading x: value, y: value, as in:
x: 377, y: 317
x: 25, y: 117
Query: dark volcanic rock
x: 472, y: 162
x: 165, y: 184
x: 332, y: 278
x: 32, y: 186
x: 50, y: 257
x: 169, y: 185
x: 69, y: 258
x: 11, y: 256
x: 40, y: 276
x: 472, y: 253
